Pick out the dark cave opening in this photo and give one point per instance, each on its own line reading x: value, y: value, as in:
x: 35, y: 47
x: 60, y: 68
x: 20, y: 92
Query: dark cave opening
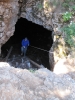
x: 39, y: 37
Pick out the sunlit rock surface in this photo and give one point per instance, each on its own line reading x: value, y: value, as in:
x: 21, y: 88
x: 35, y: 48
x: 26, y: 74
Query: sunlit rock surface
x: 63, y: 66
x: 19, y: 84
x: 8, y: 18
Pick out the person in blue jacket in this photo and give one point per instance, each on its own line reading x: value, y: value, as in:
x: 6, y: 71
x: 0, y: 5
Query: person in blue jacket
x: 25, y: 44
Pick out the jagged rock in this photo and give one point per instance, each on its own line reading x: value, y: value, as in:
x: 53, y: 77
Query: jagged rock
x: 19, y: 84
x: 8, y: 19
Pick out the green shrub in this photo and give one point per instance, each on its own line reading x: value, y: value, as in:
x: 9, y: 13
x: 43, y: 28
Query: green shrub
x: 67, y: 16
x: 32, y: 70
x: 69, y: 34
x: 73, y: 8
x: 66, y: 5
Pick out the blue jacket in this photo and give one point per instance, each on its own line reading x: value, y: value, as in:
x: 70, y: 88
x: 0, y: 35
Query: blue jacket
x: 25, y: 43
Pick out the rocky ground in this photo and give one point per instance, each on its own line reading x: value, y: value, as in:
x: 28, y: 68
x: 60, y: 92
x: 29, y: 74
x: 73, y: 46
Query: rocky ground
x: 21, y: 84
x: 17, y: 60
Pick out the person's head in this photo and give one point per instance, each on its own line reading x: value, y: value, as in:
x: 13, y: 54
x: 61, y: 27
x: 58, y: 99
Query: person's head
x: 25, y: 38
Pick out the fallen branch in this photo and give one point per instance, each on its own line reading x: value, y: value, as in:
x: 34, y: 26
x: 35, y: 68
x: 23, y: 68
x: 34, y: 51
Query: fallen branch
x: 9, y: 52
x: 39, y: 66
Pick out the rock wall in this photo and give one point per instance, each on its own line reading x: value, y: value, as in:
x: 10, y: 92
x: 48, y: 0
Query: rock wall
x: 19, y: 84
x: 34, y: 11
x: 8, y: 17
x: 39, y: 12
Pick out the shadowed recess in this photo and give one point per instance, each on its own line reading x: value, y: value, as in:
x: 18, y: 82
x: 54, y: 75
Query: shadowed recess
x: 39, y: 37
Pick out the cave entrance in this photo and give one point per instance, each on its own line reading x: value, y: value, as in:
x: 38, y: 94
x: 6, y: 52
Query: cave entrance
x: 40, y: 41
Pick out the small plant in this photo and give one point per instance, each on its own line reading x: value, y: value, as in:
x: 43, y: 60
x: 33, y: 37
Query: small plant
x: 32, y: 70
x: 70, y: 34
x: 72, y: 0
x: 69, y: 1
x: 66, y: 5
x: 73, y: 8
x: 67, y: 16
x: 40, y: 6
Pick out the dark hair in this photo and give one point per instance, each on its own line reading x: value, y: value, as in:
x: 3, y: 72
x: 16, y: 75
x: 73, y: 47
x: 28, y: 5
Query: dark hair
x: 25, y: 37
